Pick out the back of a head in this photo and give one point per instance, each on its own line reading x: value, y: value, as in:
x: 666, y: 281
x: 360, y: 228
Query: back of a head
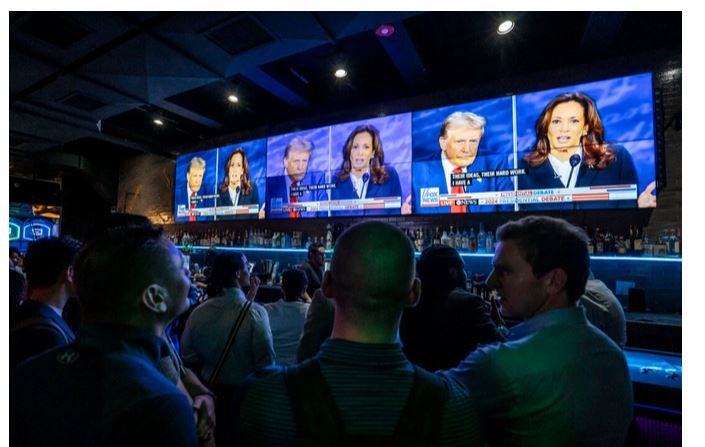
x: 550, y: 243
x: 115, y: 221
x: 294, y: 283
x: 372, y: 269
x: 434, y: 269
x: 47, y: 258
x: 113, y: 269
x: 225, y: 267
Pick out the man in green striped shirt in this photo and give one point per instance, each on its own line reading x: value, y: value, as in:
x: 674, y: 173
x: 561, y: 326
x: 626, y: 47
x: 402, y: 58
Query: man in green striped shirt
x: 360, y: 388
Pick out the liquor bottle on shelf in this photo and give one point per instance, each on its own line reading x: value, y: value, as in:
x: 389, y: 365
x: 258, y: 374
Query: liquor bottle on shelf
x: 329, y: 237
x: 599, y: 242
x: 437, y: 237
x: 637, y: 245
x: 489, y: 242
x: 472, y: 241
x: 465, y: 241
x: 482, y: 239
x: 458, y: 240
x: 648, y: 248
x: 621, y: 246
x: 677, y: 242
x: 451, y: 238
x: 445, y: 240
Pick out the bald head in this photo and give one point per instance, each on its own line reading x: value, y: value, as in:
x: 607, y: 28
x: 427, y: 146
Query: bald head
x: 372, y: 269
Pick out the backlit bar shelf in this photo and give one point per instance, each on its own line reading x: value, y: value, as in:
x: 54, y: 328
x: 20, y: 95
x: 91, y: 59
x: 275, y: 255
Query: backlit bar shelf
x: 614, y: 258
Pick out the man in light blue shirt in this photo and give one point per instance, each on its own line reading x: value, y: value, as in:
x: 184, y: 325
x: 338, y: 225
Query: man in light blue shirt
x: 558, y: 380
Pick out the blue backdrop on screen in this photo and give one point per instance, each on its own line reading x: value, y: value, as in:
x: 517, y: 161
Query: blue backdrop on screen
x: 316, y: 173
x: 395, y: 134
x: 625, y: 107
x: 411, y: 147
x: 256, y: 153
x: 497, y: 139
x: 207, y: 185
x: 495, y: 152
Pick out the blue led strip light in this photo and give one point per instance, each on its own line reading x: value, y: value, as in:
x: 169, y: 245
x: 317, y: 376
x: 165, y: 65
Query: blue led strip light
x: 465, y: 255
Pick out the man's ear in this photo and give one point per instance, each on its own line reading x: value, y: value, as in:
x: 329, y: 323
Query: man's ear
x: 442, y: 143
x: 555, y: 280
x: 154, y: 298
x: 327, y: 285
x: 68, y: 275
x: 414, y: 294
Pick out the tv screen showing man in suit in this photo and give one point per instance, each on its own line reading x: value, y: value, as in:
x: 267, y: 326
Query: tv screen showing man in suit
x: 194, y: 197
x: 462, y: 158
x: 297, y: 164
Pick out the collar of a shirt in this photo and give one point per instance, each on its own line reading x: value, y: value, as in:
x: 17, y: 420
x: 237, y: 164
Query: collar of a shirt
x: 556, y: 317
x: 115, y: 338
x: 354, y: 353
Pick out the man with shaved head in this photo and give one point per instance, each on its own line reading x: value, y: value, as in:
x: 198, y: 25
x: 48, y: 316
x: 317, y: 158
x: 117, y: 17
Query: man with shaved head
x: 360, y: 388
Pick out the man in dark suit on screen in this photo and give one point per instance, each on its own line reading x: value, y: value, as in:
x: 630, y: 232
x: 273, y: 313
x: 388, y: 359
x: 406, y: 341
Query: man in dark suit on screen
x: 282, y: 189
x: 459, y: 141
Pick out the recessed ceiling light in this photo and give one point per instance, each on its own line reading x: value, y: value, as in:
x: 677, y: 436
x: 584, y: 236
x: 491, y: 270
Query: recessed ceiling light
x: 505, y: 27
x: 158, y: 122
x: 340, y: 73
x: 233, y: 98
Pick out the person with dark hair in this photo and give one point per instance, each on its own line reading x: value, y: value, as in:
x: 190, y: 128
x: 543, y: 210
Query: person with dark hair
x: 208, y: 329
x: 458, y: 152
x: 237, y: 188
x: 287, y: 316
x: 16, y: 260
x: 37, y: 325
x: 281, y: 189
x: 105, y: 389
x: 189, y: 194
x: 571, y: 152
x: 313, y: 267
x: 359, y: 389
x: 449, y: 322
x: 18, y: 288
x: 558, y: 380
x: 363, y: 173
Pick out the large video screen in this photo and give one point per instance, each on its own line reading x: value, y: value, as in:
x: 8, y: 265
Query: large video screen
x: 584, y: 146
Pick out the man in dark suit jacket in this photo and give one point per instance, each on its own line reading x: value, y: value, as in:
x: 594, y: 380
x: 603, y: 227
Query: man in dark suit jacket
x: 459, y: 141
x: 189, y: 192
x: 279, y: 189
x: 449, y: 322
x: 37, y: 326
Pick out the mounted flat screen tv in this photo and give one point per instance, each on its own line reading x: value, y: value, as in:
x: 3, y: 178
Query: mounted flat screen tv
x: 582, y: 146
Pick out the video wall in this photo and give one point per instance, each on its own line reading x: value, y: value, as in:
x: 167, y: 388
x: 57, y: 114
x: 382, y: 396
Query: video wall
x: 583, y: 146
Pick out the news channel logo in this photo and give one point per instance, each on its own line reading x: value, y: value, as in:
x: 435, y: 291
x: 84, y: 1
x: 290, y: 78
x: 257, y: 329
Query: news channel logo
x: 430, y: 196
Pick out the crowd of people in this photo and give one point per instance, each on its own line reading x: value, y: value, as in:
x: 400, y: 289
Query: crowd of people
x: 381, y: 349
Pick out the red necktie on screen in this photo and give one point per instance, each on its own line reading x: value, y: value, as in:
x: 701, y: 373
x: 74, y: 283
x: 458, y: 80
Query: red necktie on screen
x: 293, y: 199
x: 192, y: 205
x: 457, y: 190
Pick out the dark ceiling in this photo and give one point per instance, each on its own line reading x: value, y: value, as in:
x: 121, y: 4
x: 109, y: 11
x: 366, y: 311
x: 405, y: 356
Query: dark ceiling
x: 91, y: 83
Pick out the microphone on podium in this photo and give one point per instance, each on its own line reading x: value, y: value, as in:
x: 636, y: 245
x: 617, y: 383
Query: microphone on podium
x: 365, y: 179
x: 574, y: 161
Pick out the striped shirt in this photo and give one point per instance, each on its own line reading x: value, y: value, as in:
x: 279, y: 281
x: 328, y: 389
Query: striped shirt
x: 370, y: 384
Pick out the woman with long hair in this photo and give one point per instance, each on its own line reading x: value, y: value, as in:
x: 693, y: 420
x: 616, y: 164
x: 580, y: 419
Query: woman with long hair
x: 237, y: 188
x: 363, y: 173
x: 571, y: 152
